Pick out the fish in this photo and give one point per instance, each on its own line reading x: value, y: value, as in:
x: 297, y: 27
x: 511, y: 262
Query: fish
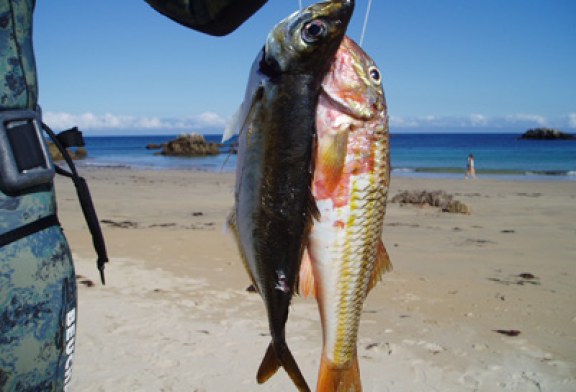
x: 273, y: 202
x: 345, y: 254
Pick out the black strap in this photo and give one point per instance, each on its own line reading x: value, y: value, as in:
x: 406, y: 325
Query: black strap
x: 83, y: 195
x: 71, y: 138
x: 28, y: 229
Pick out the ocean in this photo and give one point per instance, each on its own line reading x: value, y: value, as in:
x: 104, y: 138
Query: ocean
x: 439, y: 155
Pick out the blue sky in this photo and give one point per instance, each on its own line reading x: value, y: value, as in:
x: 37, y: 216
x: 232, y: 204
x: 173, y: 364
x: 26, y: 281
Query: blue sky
x: 117, y: 67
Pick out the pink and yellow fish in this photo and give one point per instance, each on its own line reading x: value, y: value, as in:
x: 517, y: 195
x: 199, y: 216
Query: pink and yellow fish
x: 346, y: 256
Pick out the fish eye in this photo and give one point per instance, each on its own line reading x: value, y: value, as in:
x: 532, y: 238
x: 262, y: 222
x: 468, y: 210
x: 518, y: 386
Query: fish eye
x: 375, y: 75
x: 313, y: 31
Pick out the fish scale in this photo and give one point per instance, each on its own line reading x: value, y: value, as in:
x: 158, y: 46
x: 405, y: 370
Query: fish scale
x: 346, y: 254
x: 356, y: 268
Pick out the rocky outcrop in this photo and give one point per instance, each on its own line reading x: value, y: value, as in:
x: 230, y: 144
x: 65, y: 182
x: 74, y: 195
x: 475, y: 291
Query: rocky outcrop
x: 75, y: 153
x: 546, y: 134
x: 190, y: 146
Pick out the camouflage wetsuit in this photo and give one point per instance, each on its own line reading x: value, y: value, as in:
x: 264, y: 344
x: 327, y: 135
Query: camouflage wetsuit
x: 37, y: 285
x: 37, y: 280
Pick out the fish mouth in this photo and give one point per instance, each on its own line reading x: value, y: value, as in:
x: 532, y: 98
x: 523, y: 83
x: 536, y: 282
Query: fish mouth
x: 341, y: 10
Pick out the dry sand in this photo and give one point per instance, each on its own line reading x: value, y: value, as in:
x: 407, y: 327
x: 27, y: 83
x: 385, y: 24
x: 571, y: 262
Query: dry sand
x: 175, y: 315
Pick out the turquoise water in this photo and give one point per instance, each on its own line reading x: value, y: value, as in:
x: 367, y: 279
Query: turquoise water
x: 496, y: 155
x: 415, y: 155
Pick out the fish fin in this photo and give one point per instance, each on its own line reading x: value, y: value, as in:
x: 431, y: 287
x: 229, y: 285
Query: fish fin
x: 304, y: 283
x: 269, y: 365
x: 336, y: 379
x: 278, y: 355
x: 312, y: 205
x: 312, y: 210
x: 331, y: 159
x: 383, y: 265
x: 253, y: 93
x: 243, y: 114
x: 231, y: 222
x: 307, y: 282
x: 232, y: 127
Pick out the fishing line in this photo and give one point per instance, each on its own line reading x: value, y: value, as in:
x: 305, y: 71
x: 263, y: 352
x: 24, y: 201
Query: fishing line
x: 365, y: 22
x: 300, y: 4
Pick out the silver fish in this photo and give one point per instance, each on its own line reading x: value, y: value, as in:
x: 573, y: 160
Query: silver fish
x: 274, y: 205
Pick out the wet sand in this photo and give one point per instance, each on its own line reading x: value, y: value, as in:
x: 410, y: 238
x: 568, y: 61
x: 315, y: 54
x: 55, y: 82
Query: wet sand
x: 479, y: 302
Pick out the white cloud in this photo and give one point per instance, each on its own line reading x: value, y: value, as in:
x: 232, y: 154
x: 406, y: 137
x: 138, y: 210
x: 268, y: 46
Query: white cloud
x: 519, y: 122
x: 210, y: 122
x: 108, y: 121
x: 572, y: 120
x: 403, y: 122
x: 526, y: 118
x: 478, y: 120
x: 213, y: 119
x: 430, y: 121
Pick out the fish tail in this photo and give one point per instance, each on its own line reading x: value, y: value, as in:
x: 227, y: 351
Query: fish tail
x: 278, y: 354
x: 332, y: 378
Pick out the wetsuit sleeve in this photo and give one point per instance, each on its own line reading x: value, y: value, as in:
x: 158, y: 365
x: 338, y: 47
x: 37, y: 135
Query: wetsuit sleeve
x: 18, y: 84
x: 213, y: 17
x: 38, y: 292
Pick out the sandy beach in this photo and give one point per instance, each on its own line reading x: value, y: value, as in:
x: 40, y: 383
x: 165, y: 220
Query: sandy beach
x: 479, y: 302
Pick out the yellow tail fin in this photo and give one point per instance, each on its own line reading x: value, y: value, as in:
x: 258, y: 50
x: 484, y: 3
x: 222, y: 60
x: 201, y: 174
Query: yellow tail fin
x: 334, y: 379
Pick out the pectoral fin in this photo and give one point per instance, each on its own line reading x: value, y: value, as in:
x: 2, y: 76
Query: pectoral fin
x: 231, y: 222
x: 331, y: 158
x: 252, y: 95
x: 243, y: 115
x: 307, y: 284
